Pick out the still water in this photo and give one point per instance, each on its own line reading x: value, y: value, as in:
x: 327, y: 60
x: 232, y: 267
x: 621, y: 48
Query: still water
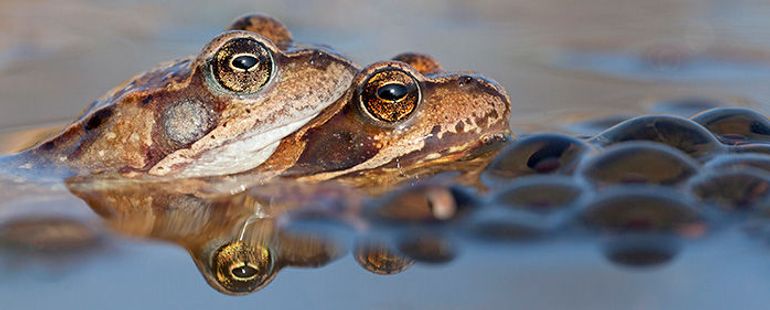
x: 574, y: 68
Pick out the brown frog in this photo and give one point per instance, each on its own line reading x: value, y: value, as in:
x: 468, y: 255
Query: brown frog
x: 405, y: 112
x: 399, y: 117
x: 221, y: 112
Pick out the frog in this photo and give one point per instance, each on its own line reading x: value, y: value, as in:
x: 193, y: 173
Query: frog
x: 221, y: 112
x: 235, y: 229
x: 402, y: 117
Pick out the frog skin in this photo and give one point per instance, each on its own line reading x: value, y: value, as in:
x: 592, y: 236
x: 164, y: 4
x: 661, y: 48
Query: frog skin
x: 221, y: 112
x: 398, y: 117
x: 232, y: 229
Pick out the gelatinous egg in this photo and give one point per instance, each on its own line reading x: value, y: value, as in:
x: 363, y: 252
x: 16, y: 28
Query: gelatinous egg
x: 643, y: 209
x: 736, y: 125
x: 639, y: 162
x: 734, y: 190
x: 536, y: 154
x: 679, y: 133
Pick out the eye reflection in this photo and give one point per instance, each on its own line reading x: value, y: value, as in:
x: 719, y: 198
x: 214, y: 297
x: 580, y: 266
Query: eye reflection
x: 244, y: 272
x: 392, y: 92
x: 244, y: 62
x: 243, y: 268
x: 380, y: 259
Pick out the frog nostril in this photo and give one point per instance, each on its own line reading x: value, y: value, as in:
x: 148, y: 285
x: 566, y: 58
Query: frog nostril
x: 392, y: 92
x: 244, y: 62
x: 465, y: 80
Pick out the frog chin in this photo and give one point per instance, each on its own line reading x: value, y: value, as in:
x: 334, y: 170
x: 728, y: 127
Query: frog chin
x: 244, y: 154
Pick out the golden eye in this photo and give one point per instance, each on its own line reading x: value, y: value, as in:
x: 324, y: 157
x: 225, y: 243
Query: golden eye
x: 390, y: 95
x: 242, y: 65
x: 243, y: 268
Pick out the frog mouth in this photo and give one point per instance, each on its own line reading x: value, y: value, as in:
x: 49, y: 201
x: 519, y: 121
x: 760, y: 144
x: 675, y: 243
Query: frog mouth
x: 230, y: 159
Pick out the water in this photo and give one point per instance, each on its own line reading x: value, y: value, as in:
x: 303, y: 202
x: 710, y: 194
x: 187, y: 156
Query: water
x: 562, y: 63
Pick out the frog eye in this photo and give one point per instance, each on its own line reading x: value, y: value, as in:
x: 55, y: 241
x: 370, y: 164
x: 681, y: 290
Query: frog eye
x: 243, y: 268
x: 390, y: 95
x: 242, y: 65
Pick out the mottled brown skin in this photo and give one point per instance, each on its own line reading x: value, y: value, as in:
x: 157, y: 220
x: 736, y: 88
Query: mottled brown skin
x: 266, y: 26
x: 444, y: 118
x: 424, y: 64
x: 174, y: 120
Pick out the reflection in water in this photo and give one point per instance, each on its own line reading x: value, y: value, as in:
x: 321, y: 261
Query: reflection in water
x: 641, y: 250
x: 379, y: 258
x: 55, y: 242
x: 643, y: 225
x: 234, y: 240
x: 641, y: 190
x: 252, y: 247
x: 241, y: 241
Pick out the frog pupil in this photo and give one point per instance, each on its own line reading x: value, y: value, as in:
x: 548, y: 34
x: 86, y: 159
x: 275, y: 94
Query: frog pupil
x: 245, y: 62
x: 244, y: 271
x: 392, y: 92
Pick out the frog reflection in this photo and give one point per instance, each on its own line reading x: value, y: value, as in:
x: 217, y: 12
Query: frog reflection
x: 240, y: 241
x: 234, y: 240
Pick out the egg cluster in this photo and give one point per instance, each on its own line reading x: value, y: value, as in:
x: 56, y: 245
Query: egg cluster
x: 642, y: 189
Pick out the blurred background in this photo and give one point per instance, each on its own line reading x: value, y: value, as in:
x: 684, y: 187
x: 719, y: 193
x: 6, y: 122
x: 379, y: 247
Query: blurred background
x: 560, y: 61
